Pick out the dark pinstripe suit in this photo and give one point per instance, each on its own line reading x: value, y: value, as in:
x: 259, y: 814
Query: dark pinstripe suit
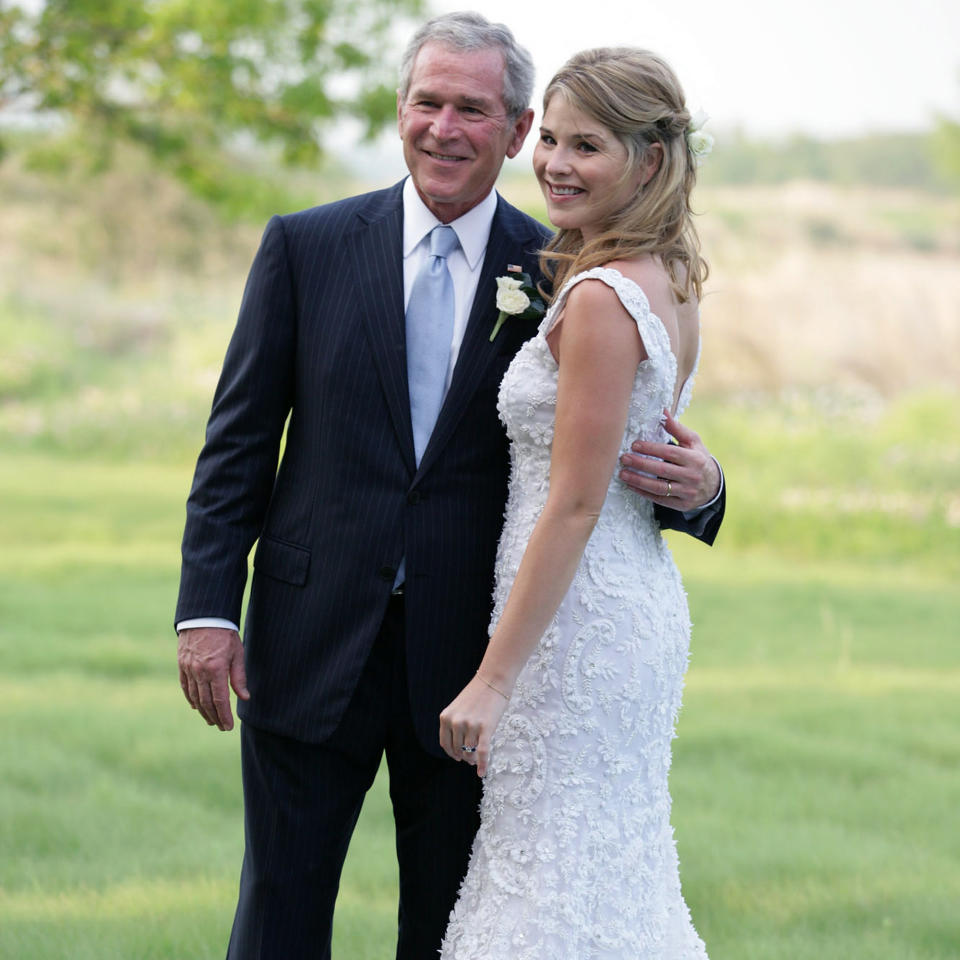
x: 321, y: 336
x: 321, y: 333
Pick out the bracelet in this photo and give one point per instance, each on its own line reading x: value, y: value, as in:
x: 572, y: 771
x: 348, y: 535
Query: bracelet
x: 492, y: 687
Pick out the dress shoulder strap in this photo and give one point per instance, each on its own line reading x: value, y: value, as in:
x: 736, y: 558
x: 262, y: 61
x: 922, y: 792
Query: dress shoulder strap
x: 635, y: 302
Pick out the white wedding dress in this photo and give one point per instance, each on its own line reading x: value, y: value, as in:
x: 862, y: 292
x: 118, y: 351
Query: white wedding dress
x: 575, y: 857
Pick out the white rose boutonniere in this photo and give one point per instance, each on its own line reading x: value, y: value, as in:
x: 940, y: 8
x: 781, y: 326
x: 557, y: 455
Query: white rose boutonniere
x: 698, y: 140
x: 510, y: 298
x: 517, y: 297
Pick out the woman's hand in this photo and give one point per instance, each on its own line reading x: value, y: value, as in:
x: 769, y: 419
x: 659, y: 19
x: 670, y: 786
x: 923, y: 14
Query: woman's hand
x: 470, y: 722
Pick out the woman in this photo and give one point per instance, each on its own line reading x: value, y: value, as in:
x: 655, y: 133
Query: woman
x: 572, y: 711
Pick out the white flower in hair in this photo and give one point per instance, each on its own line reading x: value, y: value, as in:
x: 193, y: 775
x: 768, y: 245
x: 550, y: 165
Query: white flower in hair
x: 698, y: 140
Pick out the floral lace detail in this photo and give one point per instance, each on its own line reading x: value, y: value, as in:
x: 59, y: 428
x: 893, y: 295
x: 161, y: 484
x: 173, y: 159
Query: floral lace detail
x: 575, y: 857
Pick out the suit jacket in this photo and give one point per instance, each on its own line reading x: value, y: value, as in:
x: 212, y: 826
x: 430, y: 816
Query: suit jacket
x: 320, y: 337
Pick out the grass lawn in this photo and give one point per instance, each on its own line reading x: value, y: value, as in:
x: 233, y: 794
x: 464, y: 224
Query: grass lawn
x: 815, y: 777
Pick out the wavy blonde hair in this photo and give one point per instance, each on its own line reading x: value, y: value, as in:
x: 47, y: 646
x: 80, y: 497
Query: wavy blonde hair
x: 636, y: 95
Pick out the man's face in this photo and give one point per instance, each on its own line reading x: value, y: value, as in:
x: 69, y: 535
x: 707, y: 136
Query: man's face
x: 455, y: 128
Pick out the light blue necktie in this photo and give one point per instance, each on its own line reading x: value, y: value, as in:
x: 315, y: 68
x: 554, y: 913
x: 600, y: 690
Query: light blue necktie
x: 429, y: 333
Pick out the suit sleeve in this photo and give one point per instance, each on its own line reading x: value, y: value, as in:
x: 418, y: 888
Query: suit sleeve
x: 238, y: 463
x: 703, y: 525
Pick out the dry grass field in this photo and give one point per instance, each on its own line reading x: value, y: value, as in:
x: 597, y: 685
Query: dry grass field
x: 849, y: 294
x: 820, y: 286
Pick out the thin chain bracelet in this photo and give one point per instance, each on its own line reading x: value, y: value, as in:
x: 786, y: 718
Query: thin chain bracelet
x: 492, y: 687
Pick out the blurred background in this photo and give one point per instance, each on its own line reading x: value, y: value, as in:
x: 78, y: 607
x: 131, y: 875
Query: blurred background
x: 143, y: 146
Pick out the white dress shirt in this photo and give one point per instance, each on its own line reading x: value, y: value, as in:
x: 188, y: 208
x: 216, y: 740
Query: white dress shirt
x: 464, y: 263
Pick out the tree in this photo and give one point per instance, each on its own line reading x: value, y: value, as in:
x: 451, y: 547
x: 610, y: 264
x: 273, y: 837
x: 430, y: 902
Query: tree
x: 183, y: 78
x: 945, y: 147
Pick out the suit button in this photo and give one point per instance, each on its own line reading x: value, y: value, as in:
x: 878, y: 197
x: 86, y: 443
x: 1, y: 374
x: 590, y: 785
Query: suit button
x: 413, y: 497
x: 388, y: 573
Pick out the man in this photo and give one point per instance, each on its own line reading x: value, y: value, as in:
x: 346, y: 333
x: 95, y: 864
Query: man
x: 371, y: 594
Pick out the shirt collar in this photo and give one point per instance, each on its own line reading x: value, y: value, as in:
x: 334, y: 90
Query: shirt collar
x: 472, y: 229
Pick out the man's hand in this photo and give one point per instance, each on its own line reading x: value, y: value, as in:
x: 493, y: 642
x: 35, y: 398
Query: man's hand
x: 683, y: 476
x: 208, y: 657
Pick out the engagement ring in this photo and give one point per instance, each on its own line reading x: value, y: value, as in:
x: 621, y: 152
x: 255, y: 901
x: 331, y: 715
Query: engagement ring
x: 467, y: 749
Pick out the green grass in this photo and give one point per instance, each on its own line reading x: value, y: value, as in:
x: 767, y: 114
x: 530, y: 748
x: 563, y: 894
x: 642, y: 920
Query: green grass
x: 820, y: 477
x: 815, y: 773
x: 120, y: 812
x: 814, y: 779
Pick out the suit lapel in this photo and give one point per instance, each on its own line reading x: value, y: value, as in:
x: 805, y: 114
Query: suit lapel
x: 377, y: 253
x: 511, y: 242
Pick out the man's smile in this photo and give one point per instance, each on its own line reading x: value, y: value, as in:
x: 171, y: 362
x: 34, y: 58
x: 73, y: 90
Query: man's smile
x: 442, y: 156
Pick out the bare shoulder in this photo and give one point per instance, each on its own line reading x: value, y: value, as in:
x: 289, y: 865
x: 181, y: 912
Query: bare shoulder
x: 595, y: 311
x: 592, y: 297
x: 595, y: 322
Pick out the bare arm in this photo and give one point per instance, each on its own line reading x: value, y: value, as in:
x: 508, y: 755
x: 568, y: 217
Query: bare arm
x: 600, y: 349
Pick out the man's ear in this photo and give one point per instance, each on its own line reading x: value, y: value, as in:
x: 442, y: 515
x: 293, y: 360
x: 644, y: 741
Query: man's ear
x: 521, y: 127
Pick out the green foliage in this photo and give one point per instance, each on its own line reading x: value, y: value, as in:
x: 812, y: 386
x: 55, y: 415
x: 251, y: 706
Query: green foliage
x: 883, y: 160
x: 185, y: 79
x: 946, y: 149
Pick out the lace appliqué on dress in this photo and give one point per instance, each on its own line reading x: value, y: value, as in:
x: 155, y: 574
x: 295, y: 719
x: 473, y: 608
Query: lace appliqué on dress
x: 575, y: 857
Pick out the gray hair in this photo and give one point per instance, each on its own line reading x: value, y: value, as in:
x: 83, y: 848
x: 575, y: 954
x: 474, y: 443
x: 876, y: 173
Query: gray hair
x: 470, y: 31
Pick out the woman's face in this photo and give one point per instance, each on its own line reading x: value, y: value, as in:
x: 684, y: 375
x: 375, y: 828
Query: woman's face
x: 580, y: 165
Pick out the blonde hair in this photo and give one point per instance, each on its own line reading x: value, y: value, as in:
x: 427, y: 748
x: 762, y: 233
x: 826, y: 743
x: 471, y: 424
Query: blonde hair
x: 636, y: 95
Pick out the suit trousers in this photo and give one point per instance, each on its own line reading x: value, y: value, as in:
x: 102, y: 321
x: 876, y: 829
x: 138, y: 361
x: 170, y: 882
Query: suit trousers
x: 301, y: 804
